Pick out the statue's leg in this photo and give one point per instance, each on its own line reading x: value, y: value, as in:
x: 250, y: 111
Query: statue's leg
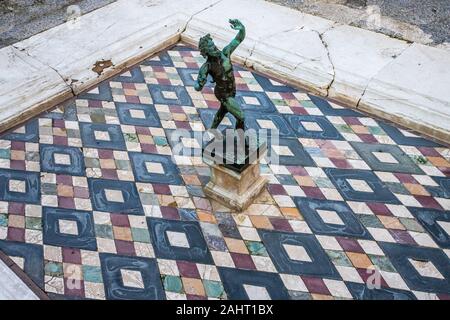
x: 234, y: 108
x: 219, y: 116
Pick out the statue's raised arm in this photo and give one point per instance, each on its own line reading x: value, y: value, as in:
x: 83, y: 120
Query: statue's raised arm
x: 236, y: 25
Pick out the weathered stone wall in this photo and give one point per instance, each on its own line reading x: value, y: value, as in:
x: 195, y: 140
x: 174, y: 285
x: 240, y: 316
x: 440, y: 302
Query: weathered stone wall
x: 20, y: 19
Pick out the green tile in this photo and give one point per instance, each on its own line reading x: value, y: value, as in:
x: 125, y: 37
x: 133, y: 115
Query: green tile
x: 92, y: 274
x: 140, y: 235
x: 33, y: 223
x: 411, y: 224
x: 382, y: 263
x: 214, y: 289
x: 370, y: 221
x: 377, y: 131
x: 3, y: 220
x: 339, y: 258
x: 5, y: 154
x: 160, y: 141
x: 53, y: 269
x: 103, y: 231
x: 123, y: 165
x: 131, y: 137
x: 173, y: 284
x: 256, y: 248
x: 92, y: 163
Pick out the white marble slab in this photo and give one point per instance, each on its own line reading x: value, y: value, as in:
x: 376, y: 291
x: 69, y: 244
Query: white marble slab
x: 25, y: 83
x: 415, y: 86
x: 11, y: 287
x: 358, y: 55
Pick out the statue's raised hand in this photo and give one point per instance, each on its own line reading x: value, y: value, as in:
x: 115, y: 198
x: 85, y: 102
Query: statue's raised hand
x: 236, y: 24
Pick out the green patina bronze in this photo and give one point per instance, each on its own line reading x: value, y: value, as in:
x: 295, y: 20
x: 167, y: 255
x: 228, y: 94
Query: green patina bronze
x: 218, y: 65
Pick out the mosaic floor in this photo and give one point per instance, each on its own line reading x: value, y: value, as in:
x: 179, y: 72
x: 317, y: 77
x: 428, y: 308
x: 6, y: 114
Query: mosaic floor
x: 92, y: 205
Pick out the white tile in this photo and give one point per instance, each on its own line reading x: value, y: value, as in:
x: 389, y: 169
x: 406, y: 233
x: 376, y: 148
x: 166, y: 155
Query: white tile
x: 444, y: 225
x: 132, y: 278
x: 61, y: 158
x: 282, y: 150
x: 114, y: 195
x: 17, y: 186
x: 385, y: 157
x: 102, y: 135
x: 154, y: 167
x: 349, y: 274
x: 177, y: 239
x: 256, y: 292
x: 371, y: 247
x: 311, y: 126
x: 297, y: 253
x: 331, y: 217
x: 169, y: 95
x: 251, y: 100
x: 359, y: 185
x: 426, y: 269
x: 293, y: 282
x: 266, y: 124
x: 137, y: 113
x: 69, y: 227
x: 190, y: 143
x: 337, y: 288
x: 329, y: 243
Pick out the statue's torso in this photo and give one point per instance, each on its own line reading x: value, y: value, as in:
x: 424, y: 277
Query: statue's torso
x: 221, y: 70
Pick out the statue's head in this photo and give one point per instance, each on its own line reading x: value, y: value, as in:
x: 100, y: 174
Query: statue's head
x: 207, y: 47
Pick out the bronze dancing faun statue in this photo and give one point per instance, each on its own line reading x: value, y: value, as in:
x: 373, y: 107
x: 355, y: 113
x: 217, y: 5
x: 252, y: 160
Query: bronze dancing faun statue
x: 218, y: 65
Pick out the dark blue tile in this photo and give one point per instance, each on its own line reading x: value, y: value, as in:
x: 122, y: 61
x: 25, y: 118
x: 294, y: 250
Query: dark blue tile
x: 162, y: 60
x: 429, y: 219
x: 136, y: 76
x: 258, y: 121
x: 33, y: 257
x: 181, y: 98
x: 328, y: 130
x: 350, y: 227
x: 328, y: 110
x: 188, y: 214
x: 207, y: 117
x: 297, y: 155
x: 257, y: 102
x: 187, y: 76
x: 441, y: 191
x: 404, y: 163
x: 104, y: 93
x: 362, y: 292
x: 31, y: 181
x: 115, y: 140
x: 320, y: 264
x: 195, y: 251
x: 149, y: 117
x: 53, y: 235
x: 380, y: 193
x: 69, y: 112
x: 234, y: 280
x: 268, y: 86
x: 401, y: 139
x: 131, y: 203
x: 48, y: 164
x: 400, y: 254
x: 171, y: 174
x: 31, y: 133
x: 116, y: 288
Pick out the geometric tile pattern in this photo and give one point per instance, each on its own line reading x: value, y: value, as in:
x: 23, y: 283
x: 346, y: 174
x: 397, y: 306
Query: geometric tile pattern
x: 94, y: 205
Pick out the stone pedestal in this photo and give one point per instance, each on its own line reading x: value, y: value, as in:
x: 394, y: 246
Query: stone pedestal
x: 236, y: 184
